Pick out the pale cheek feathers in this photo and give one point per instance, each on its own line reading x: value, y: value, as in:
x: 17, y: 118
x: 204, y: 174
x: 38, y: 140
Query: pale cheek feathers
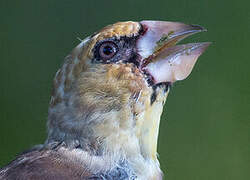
x: 110, y: 86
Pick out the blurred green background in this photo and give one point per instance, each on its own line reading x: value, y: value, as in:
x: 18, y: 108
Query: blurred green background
x: 205, y: 129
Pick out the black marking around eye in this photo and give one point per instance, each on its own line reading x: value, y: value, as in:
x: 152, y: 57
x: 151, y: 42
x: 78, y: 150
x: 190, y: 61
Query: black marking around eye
x: 97, y: 56
x: 135, y: 59
x: 126, y: 51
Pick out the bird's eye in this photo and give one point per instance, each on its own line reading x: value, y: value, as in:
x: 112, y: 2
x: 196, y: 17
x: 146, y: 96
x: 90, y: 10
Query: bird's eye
x: 107, y: 50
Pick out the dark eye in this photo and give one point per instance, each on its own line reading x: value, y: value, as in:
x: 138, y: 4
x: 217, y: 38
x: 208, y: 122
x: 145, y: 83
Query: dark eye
x: 107, y: 50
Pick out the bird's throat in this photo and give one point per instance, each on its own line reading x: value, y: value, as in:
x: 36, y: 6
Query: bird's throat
x: 135, y: 138
x: 148, y: 125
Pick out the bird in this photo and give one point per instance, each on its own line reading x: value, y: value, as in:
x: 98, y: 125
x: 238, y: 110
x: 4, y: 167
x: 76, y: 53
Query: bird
x: 106, y: 104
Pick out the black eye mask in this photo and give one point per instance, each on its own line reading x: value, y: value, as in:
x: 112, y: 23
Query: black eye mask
x: 116, y: 50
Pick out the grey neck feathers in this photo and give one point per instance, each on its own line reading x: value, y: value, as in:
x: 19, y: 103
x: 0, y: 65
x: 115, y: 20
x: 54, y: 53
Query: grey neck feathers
x: 121, y: 172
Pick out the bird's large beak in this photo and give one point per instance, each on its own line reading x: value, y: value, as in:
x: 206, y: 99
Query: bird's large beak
x: 163, y: 60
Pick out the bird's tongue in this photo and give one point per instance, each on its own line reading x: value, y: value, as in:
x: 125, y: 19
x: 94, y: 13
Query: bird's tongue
x: 164, y: 61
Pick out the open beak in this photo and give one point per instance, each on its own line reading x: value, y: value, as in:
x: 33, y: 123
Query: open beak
x: 163, y: 60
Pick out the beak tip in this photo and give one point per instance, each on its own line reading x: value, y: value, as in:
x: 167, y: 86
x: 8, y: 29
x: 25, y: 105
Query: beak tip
x: 198, y: 28
x: 204, y: 46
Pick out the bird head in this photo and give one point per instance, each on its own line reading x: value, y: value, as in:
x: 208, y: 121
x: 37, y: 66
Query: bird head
x: 108, y: 96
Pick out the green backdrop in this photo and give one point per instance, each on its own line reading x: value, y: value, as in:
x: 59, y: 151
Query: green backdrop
x: 205, y: 129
